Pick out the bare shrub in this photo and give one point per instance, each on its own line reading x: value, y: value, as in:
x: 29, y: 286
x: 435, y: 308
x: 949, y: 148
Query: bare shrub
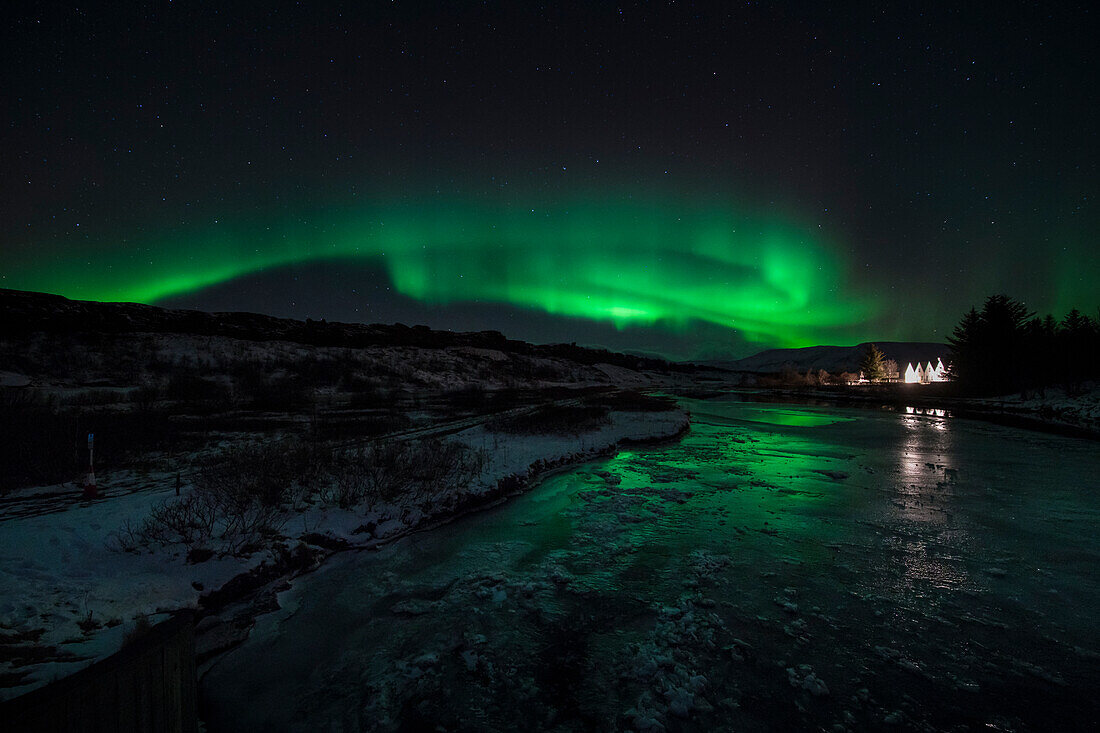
x: 264, y: 473
x: 349, y: 484
x: 239, y: 498
x: 130, y: 537
x: 145, y: 396
x: 403, y: 471
x: 188, y: 520
x: 243, y: 498
x: 414, y: 470
x: 95, y: 398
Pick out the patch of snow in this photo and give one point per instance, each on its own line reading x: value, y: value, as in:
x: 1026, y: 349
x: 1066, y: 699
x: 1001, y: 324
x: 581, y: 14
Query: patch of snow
x: 12, y: 379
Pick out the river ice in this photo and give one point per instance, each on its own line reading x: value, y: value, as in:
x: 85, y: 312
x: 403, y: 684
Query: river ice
x: 783, y: 567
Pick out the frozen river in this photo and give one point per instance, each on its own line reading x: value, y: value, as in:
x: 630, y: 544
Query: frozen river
x: 782, y: 568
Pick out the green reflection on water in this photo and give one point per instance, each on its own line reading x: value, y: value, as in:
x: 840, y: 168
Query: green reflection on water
x: 791, y: 418
x: 754, y: 494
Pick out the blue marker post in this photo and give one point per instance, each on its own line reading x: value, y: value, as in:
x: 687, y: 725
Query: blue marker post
x: 90, y: 489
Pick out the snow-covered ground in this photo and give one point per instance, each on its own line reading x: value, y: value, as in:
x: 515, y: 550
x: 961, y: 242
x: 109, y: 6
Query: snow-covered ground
x: 69, y: 595
x: 1081, y: 408
x: 62, y: 581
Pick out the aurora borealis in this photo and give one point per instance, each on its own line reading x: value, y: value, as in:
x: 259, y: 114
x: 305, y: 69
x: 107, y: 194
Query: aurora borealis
x: 627, y: 263
x: 694, y: 181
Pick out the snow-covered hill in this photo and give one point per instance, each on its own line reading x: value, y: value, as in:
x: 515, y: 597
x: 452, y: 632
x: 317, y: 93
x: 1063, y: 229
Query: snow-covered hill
x: 28, y: 313
x: 835, y: 359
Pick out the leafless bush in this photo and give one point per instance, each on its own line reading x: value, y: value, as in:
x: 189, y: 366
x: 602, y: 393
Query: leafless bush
x: 191, y: 520
x: 129, y: 537
x: 239, y: 498
x: 405, y: 471
x: 145, y: 397
x: 246, y: 495
x: 269, y: 473
x: 414, y: 470
x: 95, y: 398
x: 349, y: 484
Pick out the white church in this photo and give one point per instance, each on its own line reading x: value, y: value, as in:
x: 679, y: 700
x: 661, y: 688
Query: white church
x: 925, y: 374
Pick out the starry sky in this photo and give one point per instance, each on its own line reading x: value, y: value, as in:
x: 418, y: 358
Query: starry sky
x: 693, y: 180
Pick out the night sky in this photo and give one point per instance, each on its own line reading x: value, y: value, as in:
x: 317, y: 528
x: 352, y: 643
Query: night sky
x: 692, y: 180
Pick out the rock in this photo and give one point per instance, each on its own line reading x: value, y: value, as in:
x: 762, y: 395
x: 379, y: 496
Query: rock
x: 206, y: 623
x: 815, y: 685
x: 325, y: 541
x: 804, y: 678
x: 198, y: 555
x: 644, y: 722
x: 412, y: 607
x: 680, y: 702
x: 426, y: 660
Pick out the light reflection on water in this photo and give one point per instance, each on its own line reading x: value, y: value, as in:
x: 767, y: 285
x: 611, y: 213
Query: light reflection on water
x: 924, y: 495
x: 930, y: 411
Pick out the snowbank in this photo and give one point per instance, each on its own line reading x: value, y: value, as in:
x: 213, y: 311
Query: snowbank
x: 1054, y: 407
x: 69, y: 595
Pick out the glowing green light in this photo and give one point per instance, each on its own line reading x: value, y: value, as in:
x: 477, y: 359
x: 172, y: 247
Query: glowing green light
x: 663, y: 262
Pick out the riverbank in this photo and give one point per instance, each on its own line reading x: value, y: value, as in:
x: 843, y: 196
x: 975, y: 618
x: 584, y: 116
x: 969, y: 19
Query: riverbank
x: 228, y: 614
x: 1075, y: 415
x: 71, y: 595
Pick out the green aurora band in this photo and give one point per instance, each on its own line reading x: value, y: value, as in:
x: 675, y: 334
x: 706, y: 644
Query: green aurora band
x: 651, y: 263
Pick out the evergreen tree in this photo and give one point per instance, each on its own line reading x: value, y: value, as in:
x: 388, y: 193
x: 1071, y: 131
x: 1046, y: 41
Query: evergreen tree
x: 1004, y: 348
x: 988, y: 348
x: 1077, y: 346
x: 1040, y: 348
x: 1003, y: 322
x: 873, y: 364
x: 964, y: 361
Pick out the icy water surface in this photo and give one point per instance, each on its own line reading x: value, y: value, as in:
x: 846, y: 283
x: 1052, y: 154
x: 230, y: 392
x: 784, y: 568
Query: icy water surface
x: 783, y: 568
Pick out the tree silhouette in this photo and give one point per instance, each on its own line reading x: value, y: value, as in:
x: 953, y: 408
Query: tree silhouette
x: 873, y: 364
x: 1076, y: 341
x: 987, y: 347
x: 1004, y: 348
x: 965, y: 360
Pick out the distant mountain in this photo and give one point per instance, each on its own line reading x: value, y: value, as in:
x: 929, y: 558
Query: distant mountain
x: 835, y: 359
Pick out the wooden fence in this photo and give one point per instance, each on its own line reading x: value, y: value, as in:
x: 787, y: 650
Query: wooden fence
x: 148, y: 686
